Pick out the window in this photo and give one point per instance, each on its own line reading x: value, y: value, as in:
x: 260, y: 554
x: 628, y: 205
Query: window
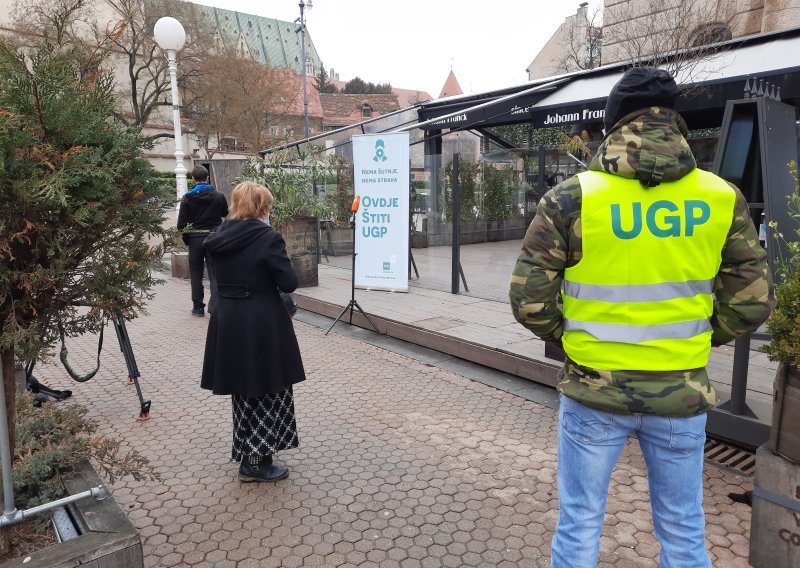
x: 288, y: 130
x: 231, y: 145
x: 709, y: 34
x: 274, y: 130
x: 366, y: 111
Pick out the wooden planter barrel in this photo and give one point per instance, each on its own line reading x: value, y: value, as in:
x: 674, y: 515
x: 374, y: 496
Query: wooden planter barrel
x: 775, y: 525
x: 302, y: 244
x: 784, y: 437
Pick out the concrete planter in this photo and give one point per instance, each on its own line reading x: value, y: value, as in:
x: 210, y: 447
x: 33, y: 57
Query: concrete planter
x: 470, y: 232
x: 419, y: 240
x: 339, y: 242
x: 179, y: 258
x: 107, y: 538
x: 432, y: 234
x: 436, y: 234
x: 505, y: 230
x: 179, y: 263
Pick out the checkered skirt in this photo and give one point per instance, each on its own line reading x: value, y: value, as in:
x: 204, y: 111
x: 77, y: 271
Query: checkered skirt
x: 263, y: 425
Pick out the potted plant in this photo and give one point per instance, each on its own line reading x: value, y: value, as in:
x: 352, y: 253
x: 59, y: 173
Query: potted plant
x: 784, y: 329
x: 291, y: 176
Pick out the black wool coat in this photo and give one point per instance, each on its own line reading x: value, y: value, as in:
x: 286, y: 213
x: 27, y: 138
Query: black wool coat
x: 251, y: 348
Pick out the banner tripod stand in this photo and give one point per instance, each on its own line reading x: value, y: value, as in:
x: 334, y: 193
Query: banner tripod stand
x: 353, y: 304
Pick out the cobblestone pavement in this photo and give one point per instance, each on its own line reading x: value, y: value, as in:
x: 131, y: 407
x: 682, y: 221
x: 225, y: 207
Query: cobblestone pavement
x: 401, y: 464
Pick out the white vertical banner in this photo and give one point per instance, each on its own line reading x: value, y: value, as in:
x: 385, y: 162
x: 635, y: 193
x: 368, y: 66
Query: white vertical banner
x: 381, y: 172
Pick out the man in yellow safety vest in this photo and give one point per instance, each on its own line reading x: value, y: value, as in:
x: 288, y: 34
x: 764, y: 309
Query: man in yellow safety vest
x: 656, y: 261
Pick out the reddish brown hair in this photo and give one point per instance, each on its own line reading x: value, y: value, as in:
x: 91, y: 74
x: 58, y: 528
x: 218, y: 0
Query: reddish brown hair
x: 250, y: 200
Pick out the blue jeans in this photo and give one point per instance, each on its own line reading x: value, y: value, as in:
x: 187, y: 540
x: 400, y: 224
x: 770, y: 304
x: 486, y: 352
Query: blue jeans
x: 589, y: 444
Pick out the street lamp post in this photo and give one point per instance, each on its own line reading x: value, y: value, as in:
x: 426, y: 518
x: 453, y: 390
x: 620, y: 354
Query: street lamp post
x: 170, y: 36
x: 301, y: 29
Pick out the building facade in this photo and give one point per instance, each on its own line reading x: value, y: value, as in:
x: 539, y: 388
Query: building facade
x: 708, y: 21
x: 341, y: 109
x: 575, y: 45
x: 270, y: 42
x: 634, y: 29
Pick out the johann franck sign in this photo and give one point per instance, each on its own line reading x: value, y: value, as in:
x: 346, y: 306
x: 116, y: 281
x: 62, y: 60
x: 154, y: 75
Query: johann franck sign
x: 583, y: 114
x: 517, y: 111
x: 451, y: 121
x: 586, y: 115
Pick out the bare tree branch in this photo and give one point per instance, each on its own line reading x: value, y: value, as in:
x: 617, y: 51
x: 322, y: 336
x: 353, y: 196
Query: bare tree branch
x: 240, y: 98
x: 677, y: 35
x: 107, y: 31
x: 582, y: 41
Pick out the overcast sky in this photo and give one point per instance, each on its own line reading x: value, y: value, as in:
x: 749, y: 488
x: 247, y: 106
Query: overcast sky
x: 413, y: 44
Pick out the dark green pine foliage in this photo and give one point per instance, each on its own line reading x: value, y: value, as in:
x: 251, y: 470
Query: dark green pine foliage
x: 53, y: 440
x: 81, y: 210
x: 357, y: 86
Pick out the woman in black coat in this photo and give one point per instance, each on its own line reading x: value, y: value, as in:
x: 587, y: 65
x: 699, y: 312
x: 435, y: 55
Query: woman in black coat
x: 251, y: 349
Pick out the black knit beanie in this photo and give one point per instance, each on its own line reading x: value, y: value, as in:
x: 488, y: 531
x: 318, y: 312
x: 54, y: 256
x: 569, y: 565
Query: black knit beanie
x: 639, y: 88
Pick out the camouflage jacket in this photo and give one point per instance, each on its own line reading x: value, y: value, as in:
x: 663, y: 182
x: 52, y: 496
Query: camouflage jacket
x: 647, y: 145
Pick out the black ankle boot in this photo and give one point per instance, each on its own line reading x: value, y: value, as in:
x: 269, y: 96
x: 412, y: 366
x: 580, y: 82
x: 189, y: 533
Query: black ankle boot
x: 264, y: 471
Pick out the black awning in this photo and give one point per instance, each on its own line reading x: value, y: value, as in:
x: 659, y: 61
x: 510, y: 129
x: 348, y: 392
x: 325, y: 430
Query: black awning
x: 762, y: 62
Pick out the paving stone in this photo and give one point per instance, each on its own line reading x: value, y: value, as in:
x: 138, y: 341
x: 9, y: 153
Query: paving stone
x: 400, y: 463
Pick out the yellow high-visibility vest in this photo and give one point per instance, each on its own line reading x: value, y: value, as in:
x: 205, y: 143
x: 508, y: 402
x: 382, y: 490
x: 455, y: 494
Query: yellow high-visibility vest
x: 641, y: 296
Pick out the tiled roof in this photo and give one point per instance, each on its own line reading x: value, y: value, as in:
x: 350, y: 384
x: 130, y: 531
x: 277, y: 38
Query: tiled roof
x: 343, y: 109
x: 270, y: 42
x: 410, y: 97
x: 294, y: 84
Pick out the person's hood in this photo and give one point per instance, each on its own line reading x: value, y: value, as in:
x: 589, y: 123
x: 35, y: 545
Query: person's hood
x: 201, y: 196
x: 234, y: 235
x: 649, y: 145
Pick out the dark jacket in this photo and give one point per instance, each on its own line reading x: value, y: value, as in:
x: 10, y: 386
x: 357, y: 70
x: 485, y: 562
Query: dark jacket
x: 251, y: 348
x: 648, y: 145
x: 202, y: 212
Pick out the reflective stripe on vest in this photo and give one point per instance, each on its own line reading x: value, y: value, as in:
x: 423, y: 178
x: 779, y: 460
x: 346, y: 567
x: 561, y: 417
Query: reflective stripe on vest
x: 626, y: 333
x: 642, y: 293
x: 641, y: 296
